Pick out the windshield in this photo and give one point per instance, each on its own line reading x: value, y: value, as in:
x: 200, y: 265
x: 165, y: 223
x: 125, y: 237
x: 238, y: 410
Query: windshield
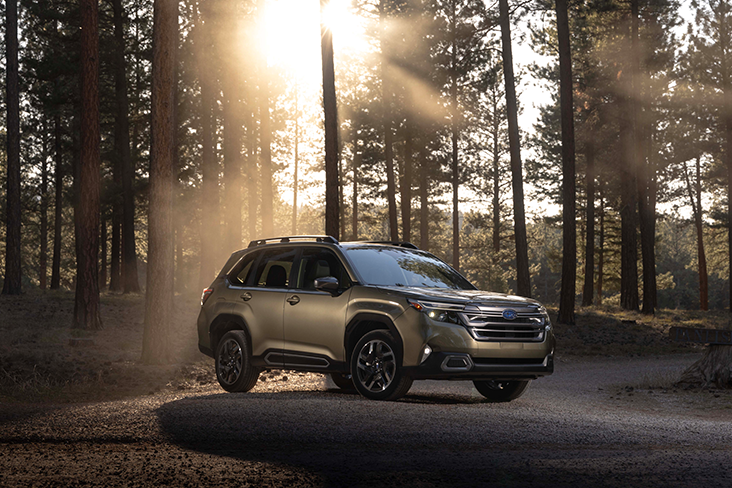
x: 388, y: 266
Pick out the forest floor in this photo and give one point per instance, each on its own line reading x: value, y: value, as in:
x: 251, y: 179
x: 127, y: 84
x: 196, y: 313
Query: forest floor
x: 43, y: 359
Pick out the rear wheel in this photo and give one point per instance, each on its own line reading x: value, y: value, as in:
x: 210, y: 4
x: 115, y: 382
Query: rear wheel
x: 501, y: 391
x: 376, y: 365
x: 233, y: 366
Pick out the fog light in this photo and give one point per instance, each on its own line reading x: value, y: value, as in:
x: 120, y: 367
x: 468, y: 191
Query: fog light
x: 548, y: 328
x: 425, y: 353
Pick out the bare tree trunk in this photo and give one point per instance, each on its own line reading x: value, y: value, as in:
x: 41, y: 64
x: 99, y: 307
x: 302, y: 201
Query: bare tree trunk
x: 496, y: 186
x: 330, y: 110
x: 58, y: 177
x: 601, y: 250
x: 86, y: 307
x: 12, y: 283
x: 406, y: 187
x: 103, y: 256
x: 265, y: 140
x: 43, y: 254
x: 354, y: 202
x: 209, y: 165
x: 724, y: 41
x: 115, y: 273
x: 455, y: 137
x: 569, y: 223
x: 232, y: 166
x: 387, y: 122
x: 523, y: 280
x: 252, y: 170
x: 130, y: 282
x: 424, y: 211
x: 628, y: 180
x: 296, y: 182
x: 694, y: 193
x: 588, y: 289
x: 156, y: 342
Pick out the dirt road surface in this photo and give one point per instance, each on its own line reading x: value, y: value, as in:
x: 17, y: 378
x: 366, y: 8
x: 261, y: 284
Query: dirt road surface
x: 583, y: 426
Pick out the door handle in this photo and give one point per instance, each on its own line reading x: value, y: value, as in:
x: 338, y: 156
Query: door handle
x: 293, y: 300
x: 246, y: 297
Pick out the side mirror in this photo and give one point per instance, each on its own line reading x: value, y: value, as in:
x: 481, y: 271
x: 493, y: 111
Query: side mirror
x: 328, y: 284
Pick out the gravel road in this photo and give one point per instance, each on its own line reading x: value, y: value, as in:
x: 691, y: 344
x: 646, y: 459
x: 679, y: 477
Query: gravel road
x: 583, y: 426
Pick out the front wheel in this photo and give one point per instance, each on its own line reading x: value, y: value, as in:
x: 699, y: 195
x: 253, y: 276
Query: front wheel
x: 376, y: 366
x: 233, y: 367
x: 501, y: 391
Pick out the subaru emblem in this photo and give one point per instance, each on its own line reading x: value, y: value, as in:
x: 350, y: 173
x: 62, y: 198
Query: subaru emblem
x: 509, y: 314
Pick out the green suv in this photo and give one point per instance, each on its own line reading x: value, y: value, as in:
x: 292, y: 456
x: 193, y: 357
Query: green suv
x: 374, y: 315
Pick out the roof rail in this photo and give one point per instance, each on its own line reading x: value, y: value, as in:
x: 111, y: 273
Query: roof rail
x: 261, y: 242
x: 404, y: 244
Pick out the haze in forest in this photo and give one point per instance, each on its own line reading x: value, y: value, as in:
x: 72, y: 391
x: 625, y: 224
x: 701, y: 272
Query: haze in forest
x: 625, y: 175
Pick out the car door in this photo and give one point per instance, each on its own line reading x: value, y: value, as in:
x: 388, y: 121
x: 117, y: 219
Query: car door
x: 259, y: 288
x: 315, y: 320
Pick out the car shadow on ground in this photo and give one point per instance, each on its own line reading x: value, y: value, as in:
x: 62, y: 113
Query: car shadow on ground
x: 337, y: 438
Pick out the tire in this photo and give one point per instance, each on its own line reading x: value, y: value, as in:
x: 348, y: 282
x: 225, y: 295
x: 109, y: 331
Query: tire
x: 498, y: 391
x: 233, y: 366
x: 343, y: 381
x: 376, y: 366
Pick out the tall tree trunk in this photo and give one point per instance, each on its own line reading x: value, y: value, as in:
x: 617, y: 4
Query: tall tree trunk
x: 523, y: 281
x: 628, y: 180
x: 252, y: 169
x: 130, y: 282
x: 58, y: 177
x: 455, y: 137
x: 156, y: 341
x: 330, y: 110
x: 115, y: 272
x: 724, y: 41
x: 496, y: 176
x: 86, y: 307
x: 265, y: 140
x: 209, y: 165
x: 354, y: 197
x: 424, y: 194
x: 232, y: 166
x: 296, y: 182
x: 406, y: 186
x: 694, y: 192
x: 387, y: 122
x: 12, y: 283
x: 588, y: 289
x: 103, y: 254
x: 601, y: 250
x: 569, y: 223
x: 43, y: 254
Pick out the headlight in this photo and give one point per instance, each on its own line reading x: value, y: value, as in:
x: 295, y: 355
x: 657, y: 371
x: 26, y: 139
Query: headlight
x: 440, y: 312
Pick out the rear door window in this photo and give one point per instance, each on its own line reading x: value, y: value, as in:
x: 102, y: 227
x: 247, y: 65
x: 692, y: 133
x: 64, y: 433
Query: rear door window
x: 275, y: 268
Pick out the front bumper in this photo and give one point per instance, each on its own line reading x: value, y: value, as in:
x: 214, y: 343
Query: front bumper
x: 463, y: 366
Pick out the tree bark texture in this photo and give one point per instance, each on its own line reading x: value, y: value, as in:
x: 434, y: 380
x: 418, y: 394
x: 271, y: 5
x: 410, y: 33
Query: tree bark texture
x: 43, y: 253
x: 330, y: 109
x: 406, y: 187
x: 601, y: 250
x: 232, y: 166
x: 130, y: 282
x: 156, y: 343
x: 588, y: 288
x: 387, y: 122
x: 86, y: 307
x: 58, y: 177
x: 523, y: 280
x: 455, y: 136
x: 694, y: 192
x: 496, y: 177
x: 713, y: 369
x: 569, y: 223
x: 296, y: 168
x: 265, y: 140
x: 103, y: 254
x: 424, y: 201
x: 354, y: 196
x: 12, y: 282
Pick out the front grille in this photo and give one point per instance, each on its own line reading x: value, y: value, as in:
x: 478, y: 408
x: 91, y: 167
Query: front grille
x: 491, y: 326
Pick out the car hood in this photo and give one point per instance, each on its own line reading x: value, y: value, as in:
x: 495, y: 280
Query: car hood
x: 466, y: 297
